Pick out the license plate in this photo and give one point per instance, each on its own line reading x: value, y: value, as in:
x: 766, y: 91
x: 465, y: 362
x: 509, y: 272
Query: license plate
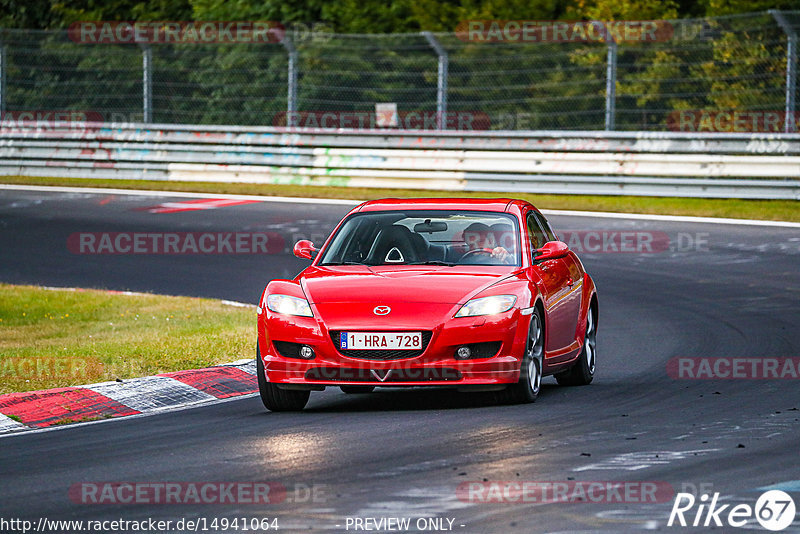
x: 380, y: 340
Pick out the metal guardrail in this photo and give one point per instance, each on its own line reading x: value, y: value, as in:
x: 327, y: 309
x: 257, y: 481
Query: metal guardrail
x: 607, y: 163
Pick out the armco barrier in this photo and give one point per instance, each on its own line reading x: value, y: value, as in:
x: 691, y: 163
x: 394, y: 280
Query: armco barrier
x: 608, y: 163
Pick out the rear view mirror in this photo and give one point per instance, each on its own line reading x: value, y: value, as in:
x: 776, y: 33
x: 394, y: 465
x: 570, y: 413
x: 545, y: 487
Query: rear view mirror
x: 429, y: 227
x: 550, y: 251
x: 305, y: 249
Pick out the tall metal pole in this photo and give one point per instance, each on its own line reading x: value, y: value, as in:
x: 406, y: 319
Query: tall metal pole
x: 291, y: 90
x: 611, y: 83
x: 147, y: 84
x: 441, y: 84
x: 2, y: 79
x: 791, y: 70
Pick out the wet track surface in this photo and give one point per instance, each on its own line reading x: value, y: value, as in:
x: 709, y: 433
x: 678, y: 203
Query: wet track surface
x: 722, y: 291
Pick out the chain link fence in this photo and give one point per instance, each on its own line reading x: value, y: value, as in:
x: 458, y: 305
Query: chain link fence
x: 688, y: 72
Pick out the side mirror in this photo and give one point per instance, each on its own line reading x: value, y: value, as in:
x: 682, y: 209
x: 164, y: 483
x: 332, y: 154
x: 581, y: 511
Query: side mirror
x: 305, y: 249
x: 550, y: 251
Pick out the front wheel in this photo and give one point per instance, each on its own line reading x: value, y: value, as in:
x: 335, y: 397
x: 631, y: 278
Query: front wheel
x: 582, y: 373
x: 530, y: 376
x: 274, y: 398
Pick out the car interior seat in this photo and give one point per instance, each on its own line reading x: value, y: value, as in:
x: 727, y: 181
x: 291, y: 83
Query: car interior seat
x: 395, y: 244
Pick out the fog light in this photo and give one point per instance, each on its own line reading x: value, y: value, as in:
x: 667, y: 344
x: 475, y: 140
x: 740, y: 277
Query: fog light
x: 306, y: 352
x: 463, y: 353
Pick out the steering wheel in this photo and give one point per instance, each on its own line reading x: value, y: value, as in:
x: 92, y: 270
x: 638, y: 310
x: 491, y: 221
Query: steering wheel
x: 476, y: 251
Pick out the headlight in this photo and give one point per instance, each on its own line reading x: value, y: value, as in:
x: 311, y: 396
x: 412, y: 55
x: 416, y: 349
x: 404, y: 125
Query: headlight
x: 487, y: 306
x: 289, y: 305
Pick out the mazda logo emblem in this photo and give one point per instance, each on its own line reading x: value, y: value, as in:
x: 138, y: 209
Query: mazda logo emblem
x: 381, y: 310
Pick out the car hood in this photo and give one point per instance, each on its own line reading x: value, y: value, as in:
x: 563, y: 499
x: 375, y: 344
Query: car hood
x: 346, y: 296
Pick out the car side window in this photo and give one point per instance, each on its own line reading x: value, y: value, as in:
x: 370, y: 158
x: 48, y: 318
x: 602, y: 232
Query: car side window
x: 536, y: 236
x: 551, y: 236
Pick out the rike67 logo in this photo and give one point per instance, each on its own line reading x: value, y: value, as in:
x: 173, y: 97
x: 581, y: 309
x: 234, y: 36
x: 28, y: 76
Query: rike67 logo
x: 774, y: 510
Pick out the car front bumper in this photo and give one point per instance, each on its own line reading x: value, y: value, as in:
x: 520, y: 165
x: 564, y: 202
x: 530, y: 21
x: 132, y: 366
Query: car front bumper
x: 435, y: 366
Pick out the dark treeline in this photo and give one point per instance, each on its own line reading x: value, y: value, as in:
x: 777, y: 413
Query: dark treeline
x: 367, y: 16
x: 713, y: 59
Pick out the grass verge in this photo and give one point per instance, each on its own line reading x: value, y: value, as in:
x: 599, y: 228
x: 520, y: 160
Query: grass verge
x: 776, y: 210
x: 57, y: 338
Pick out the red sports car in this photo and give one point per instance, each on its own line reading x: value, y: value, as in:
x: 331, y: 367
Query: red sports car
x: 474, y: 293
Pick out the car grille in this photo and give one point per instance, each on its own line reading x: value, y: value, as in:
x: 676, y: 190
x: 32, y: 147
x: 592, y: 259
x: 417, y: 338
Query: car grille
x: 344, y: 374
x: 381, y: 355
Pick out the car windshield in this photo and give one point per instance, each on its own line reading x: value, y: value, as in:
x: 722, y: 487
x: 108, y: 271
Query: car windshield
x: 434, y: 237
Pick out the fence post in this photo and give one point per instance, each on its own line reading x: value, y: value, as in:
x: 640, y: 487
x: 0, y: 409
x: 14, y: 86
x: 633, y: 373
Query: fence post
x: 441, y: 84
x: 291, y: 90
x: 2, y: 79
x: 147, y: 84
x: 611, y: 82
x: 791, y: 69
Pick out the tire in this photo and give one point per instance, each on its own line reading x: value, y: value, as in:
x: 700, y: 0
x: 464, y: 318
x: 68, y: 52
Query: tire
x: 355, y: 390
x: 530, y: 376
x: 274, y: 398
x: 582, y: 373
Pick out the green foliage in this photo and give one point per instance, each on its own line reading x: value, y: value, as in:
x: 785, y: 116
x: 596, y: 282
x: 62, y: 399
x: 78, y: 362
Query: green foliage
x: 732, y: 62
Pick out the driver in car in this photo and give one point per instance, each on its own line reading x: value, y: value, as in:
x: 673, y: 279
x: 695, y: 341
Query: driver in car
x: 480, y: 237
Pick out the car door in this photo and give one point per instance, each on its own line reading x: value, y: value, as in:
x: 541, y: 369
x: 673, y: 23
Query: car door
x: 561, y: 290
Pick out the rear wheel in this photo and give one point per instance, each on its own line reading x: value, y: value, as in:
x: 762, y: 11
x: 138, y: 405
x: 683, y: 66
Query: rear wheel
x: 582, y: 373
x: 274, y: 398
x: 353, y: 390
x: 530, y: 376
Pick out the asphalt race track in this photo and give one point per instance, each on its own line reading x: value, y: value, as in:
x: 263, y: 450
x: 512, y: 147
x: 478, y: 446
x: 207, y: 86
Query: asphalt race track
x: 721, y: 291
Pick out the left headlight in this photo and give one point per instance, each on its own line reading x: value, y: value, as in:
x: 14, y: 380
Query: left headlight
x: 287, y: 305
x: 487, y: 306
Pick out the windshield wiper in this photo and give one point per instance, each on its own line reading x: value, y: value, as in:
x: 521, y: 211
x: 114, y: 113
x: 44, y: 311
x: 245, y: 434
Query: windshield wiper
x: 341, y: 263
x: 433, y: 262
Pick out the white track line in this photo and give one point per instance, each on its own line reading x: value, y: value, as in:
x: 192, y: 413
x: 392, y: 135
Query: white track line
x: 343, y: 202
x: 233, y: 303
x: 672, y: 218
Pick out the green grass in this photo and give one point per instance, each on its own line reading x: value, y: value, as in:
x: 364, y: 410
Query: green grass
x: 70, y: 420
x: 777, y: 210
x: 56, y: 338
